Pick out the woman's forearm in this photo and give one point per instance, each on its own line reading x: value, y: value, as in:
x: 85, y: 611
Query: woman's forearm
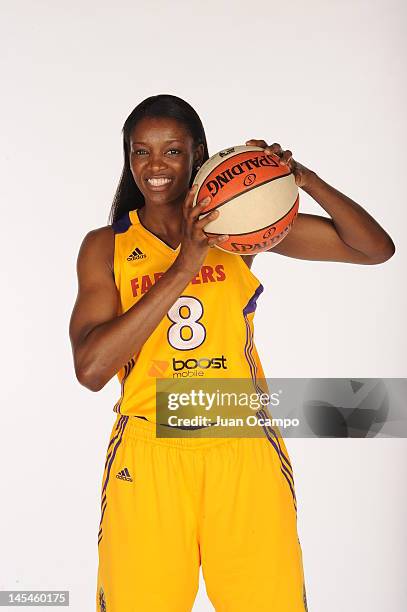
x: 111, y: 344
x: 353, y: 223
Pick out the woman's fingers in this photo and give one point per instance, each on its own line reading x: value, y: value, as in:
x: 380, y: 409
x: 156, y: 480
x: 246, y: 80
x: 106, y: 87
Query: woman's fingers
x: 214, y: 240
x: 256, y: 143
x: 202, y: 223
x: 198, y: 208
x: 274, y: 148
x: 196, y: 224
x: 287, y: 155
x: 206, y: 219
x: 187, y: 206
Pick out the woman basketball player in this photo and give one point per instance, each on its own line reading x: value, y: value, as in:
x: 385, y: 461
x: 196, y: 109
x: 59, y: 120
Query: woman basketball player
x: 172, y: 504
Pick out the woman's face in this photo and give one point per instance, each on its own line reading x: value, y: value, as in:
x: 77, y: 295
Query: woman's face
x: 162, y: 156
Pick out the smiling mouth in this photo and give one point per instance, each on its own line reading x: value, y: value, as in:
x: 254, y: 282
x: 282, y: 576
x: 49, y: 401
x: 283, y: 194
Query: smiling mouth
x: 159, y: 182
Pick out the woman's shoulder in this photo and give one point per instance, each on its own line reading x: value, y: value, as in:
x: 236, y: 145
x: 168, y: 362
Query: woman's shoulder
x: 98, y: 245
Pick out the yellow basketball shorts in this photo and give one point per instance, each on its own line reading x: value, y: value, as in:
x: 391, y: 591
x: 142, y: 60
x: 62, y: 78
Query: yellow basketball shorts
x: 171, y: 505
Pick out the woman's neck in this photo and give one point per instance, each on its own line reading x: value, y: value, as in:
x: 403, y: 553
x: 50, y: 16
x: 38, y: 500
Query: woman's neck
x: 165, y: 221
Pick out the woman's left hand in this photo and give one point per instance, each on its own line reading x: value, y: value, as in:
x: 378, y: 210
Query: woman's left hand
x: 301, y: 174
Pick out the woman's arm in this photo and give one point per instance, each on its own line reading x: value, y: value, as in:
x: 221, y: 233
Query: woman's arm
x: 351, y: 235
x: 102, y: 342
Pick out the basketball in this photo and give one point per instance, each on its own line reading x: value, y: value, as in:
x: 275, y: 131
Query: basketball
x: 256, y: 195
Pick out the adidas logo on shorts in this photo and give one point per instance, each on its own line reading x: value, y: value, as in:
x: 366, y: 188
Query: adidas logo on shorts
x: 136, y: 254
x: 124, y: 475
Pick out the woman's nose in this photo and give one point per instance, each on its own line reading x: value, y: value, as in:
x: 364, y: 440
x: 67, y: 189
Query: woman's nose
x: 156, y: 163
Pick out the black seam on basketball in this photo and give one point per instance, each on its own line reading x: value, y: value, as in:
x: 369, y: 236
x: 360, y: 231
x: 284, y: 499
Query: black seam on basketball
x: 246, y: 191
x: 203, y: 178
x: 256, y: 230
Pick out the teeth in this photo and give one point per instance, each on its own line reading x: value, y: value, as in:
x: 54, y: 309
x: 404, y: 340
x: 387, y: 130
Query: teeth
x: 158, y: 181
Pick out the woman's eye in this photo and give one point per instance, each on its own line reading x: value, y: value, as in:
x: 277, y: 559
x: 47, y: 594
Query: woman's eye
x: 143, y: 151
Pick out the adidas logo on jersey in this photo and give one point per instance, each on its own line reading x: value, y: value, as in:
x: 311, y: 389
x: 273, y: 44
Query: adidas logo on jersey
x: 136, y: 254
x: 124, y: 475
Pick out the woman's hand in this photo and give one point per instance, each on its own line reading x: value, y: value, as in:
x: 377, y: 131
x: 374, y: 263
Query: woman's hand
x: 351, y: 235
x: 194, y: 241
x: 302, y: 175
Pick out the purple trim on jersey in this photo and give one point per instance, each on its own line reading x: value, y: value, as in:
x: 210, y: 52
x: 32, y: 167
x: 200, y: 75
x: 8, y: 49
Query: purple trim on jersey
x: 127, y: 369
x: 287, y: 474
x: 103, y: 500
x: 101, y: 519
x: 121, y: 426
x: 248, y: 347
x: 248, y: 353
x: 119, y: 423
x: 122, y: 225
x: 281, y: 467
x: 274, y: 440
x: 263, y: 413
x: 273, y: 433
x: 292, y: 490
x: 251, y: 304
x: 107, y: 459
x: 117, y: 405
x: 251, y: 307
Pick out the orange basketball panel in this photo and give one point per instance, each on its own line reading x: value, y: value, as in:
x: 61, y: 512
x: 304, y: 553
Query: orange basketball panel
x: 260, y: 240
x: 238, y: 174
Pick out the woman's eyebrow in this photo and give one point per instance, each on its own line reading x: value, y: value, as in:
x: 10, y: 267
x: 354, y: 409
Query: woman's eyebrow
x: 165, y: 141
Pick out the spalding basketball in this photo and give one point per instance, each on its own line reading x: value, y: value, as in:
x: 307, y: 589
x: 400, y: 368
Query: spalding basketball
x: 256, y: 196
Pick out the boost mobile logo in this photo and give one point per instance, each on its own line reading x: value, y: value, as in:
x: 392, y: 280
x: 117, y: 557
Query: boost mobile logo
x: 194, y: 367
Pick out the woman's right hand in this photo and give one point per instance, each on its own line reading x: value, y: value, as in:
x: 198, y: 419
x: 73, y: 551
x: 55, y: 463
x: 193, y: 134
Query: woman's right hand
x: 194, y: 241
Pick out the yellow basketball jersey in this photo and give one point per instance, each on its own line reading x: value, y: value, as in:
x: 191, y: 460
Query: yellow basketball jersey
x: 208, y: 332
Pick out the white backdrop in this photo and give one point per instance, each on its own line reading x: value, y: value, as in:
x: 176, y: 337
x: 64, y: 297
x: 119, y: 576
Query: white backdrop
x: 328, y: 81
